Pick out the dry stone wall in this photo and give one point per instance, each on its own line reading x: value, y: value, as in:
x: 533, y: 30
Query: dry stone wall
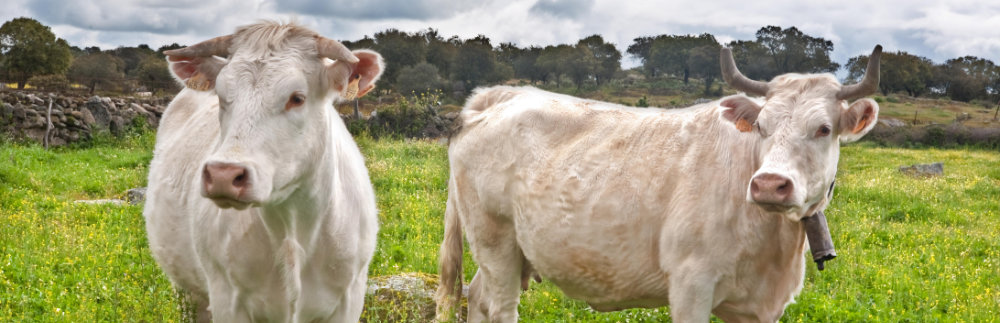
x: 74, y: 117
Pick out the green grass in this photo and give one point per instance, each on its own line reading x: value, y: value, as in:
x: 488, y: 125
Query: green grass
x: 910, y: 249
x: 66, y: 262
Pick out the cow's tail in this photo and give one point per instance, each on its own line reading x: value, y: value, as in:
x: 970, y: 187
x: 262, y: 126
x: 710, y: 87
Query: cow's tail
x: 480, y: 100
x: 449, y: 293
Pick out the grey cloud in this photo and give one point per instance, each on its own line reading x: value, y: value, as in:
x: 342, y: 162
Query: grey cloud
x: 378, y: 9
x: 570, y: 9
x: 126, y: 16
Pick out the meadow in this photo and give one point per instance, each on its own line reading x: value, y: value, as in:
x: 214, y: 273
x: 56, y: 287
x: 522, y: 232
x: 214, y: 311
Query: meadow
x: 910, y: 249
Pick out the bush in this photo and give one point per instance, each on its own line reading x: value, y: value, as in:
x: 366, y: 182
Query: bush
x: 642, y: 103
x: 418, y: 79
x: 53, y: 82
x: 415, y: 117
x: 935, y: 135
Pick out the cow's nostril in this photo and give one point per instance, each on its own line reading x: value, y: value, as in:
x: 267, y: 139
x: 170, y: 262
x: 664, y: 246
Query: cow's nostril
x: 240, y: 180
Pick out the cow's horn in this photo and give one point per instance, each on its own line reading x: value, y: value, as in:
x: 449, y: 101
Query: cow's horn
x: 218, y: 46
x: 869, y: 84
x: 736, y: 79
x: 334, y: 50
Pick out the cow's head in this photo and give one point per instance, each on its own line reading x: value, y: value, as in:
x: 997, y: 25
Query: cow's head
x: 275, y: 85
x: 799, y: 127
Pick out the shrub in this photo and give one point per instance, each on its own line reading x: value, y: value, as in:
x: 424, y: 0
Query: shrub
x: 53, y: 82
x: 419, y: 79
x: 642, y: 103
x: 935, y: 135
x: 415, y: 117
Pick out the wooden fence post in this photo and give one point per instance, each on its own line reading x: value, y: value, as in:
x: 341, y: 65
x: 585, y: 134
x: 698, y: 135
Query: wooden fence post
x: 48, y: 122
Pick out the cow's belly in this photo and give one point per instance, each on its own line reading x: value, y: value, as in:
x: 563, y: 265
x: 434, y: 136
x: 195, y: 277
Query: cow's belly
x: 610, y: 264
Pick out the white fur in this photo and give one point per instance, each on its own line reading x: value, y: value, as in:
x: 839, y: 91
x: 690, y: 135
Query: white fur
x: 299, y: 250
x: 623, y: 207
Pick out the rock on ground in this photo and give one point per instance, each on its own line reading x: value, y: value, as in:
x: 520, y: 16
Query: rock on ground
x: 923, y: 170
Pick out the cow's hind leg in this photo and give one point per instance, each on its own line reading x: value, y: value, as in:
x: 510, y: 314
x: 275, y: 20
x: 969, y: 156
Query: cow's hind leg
x: 495, y: 290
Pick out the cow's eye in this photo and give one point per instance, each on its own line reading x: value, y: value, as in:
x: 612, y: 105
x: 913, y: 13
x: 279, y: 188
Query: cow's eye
x: 823, y: 131
x: 759, y: 129
x: 295, y: 100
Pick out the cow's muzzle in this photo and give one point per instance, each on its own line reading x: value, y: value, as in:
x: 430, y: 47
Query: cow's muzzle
x: 227, y: 184
x: 772, y: 192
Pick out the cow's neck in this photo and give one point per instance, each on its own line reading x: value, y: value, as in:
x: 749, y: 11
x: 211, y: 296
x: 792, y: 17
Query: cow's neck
x: 308, y: 208
x: 740, y: 155
x: 296, y: 225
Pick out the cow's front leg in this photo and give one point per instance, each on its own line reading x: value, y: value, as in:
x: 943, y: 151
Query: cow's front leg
x: 691, y: 297
x: 351, y: 304
x: 224, y: 305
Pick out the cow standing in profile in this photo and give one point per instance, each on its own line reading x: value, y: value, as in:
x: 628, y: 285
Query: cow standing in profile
x: 259, y: 203
x: 620, y: 207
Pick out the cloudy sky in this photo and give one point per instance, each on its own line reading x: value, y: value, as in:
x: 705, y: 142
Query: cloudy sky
x: 937, y: 29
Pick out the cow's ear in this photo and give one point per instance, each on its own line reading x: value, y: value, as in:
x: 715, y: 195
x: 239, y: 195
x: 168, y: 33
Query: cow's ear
x: 741, y: 111
x: 196, y: 73
x: 357, y: 79
x: 858, y: 119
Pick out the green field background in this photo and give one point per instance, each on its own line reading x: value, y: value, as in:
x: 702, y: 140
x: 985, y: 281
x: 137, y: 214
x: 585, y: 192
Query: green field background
x: 910, y: 249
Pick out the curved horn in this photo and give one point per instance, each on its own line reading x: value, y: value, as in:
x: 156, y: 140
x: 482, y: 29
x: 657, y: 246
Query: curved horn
x: 869, y: 84
x: 218, y: 46
x: 736, y: 79
x: 334, y: 50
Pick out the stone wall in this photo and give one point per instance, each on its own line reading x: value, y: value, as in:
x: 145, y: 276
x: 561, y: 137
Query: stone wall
x: 74, y: 117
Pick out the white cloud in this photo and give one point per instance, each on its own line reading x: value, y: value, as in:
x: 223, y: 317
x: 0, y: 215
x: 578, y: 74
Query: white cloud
x: 937, y: 29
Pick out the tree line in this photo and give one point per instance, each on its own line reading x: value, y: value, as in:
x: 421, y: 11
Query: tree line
x: 31, y: 53
x: 427, y: 61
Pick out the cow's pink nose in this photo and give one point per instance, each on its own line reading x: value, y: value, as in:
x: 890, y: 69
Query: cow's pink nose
x: 225, y: 180
x: 771, y: 189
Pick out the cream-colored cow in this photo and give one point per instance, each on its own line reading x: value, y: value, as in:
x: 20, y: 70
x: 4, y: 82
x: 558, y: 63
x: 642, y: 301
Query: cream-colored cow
x: 622, y: 207
x: 259, y: 203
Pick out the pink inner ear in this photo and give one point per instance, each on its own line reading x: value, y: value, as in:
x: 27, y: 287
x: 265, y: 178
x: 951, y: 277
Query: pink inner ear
x: 368, y: 68
x: 864, y: 120
x: 742, y: 112
x: 184, y: 69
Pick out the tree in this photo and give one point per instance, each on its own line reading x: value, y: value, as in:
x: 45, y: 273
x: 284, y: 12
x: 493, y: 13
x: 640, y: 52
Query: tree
x: 703, y: 62
x: 900, y: 71
x: 399, y: 49
x: 968, y: 78
x: 476, y: 63
x: 28, y: 48
x: 440, y: 52
x: 553, y: 61
x: 132, y: 57
x: 793, y: 51
x: 417, y: 79
x: 154, y: 74
x: 672, y: 54
x: 524, y: 65
x: 640, y: 49
x: 751, y: 57
x: 606, y: 57
x: 97, y: 69
x: 168, y: 47
x: 580, y: 64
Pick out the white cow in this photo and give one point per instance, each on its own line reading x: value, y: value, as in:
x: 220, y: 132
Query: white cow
x: 259, y: 203
x: 621, y: 207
